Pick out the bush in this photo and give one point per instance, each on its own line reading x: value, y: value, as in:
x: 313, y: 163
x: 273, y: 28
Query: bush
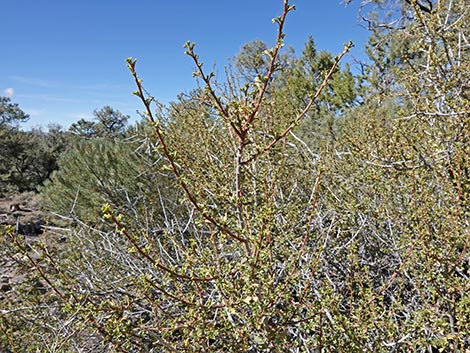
x: 360, y: 245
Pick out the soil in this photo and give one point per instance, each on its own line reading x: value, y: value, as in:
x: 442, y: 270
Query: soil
x: 29, y: 221
x: 28, y: 211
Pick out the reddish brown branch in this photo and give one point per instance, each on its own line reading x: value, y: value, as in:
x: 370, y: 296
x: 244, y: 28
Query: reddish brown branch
x: 272, y: 65
x: 168, y: 155
x: 299, y: 117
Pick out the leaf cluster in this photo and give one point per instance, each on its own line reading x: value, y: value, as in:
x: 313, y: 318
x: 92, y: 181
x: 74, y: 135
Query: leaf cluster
x: 235, y: 235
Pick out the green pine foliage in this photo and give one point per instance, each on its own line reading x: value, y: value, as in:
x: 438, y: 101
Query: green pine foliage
x: 98, y: 171
x: 28, y: 157
x: 292, y: 208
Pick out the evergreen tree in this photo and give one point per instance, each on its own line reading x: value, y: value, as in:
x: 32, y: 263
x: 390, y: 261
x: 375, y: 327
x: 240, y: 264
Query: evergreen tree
x: 109, y: 123
x: 27, y: 158
x: 10, y: 113
x: 270, y: 245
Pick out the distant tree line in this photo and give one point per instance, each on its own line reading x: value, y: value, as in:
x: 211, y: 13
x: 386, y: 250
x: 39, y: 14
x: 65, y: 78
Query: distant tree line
x: 28, y: 158
x: 291, y: 206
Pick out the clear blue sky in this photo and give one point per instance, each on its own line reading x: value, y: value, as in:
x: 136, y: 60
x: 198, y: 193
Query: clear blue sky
x: 62, y: 59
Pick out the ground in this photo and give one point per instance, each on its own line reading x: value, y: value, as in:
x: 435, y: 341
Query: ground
x: 30, y: 224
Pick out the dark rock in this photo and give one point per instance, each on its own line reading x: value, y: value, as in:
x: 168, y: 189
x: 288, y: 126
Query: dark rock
x: 5, y: 287
x: 40, y: 287
x: 32, y: 228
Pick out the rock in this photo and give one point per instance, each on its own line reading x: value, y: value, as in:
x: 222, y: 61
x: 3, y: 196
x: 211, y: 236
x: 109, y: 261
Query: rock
x: 40, y: 287
x: 5, y: 287
x: 32, y: 228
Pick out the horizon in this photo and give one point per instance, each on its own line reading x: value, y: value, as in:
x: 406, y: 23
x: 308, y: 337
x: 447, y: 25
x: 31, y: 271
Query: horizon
x: 69, y: 59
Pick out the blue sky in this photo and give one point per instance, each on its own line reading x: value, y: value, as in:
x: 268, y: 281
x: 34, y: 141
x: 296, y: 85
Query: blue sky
x: 63, y: 59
